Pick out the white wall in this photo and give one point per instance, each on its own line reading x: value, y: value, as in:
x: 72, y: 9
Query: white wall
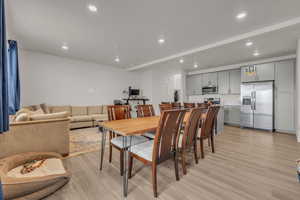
x: 63, y: 81
x: 298, y: 92
x: 159, y: 83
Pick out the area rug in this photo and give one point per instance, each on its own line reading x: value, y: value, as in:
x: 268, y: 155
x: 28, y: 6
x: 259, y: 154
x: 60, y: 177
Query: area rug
x: 84, y: 140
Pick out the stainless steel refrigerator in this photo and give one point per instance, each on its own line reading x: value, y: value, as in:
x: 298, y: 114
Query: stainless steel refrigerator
x: 257, y: 105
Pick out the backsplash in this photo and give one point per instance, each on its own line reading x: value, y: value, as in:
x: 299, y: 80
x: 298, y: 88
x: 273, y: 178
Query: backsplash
x: 225, y: 99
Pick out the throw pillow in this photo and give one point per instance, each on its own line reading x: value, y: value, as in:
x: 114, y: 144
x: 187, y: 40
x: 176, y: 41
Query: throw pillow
x: 22, y: 117
x: 45, y: 108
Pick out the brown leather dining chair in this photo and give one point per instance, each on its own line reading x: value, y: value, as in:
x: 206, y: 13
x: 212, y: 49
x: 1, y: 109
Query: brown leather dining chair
x: 207, y: 129
x: 188, y: 139
x: 164, y: 107
x: 146, y: 111
x: 119, y: 112
x: 162, y: 148
x: 202, y: 105
x: 189, y: 105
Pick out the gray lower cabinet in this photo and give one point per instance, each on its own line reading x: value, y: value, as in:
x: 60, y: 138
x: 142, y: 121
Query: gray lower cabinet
x: 285, y: 96
x: 232, y: 115
x: 223, y: 82
x: 235, y: 81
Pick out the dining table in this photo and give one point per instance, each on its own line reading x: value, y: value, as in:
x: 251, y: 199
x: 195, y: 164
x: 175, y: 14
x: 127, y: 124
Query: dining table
x: 128, y: 128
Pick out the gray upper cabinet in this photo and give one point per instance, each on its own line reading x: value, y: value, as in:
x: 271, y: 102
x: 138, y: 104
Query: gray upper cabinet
x: 210, y: 79
x: 194, y: 85
x: 265, y: 72
x: 235, y: 81
x: 262, y: 72
x: 285, y: 96
x: 223, y: 82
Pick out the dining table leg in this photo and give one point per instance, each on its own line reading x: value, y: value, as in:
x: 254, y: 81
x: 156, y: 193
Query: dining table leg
x: 127, y: 140
x: 103, y: 141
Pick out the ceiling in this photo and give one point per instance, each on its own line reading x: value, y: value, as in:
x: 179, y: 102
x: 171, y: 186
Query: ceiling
x: 130, y: 29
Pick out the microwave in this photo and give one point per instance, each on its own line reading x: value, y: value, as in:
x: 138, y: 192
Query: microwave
x: 210, y: 90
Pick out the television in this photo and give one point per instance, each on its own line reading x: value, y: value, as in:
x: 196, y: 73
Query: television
x: 134, y: 92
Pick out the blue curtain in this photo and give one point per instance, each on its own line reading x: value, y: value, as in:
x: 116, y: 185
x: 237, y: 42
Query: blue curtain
x: 4, y: 117
x: 1, y: 193
x: 13, y: 78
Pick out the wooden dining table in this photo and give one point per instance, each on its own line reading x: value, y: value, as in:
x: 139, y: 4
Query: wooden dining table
x: 129, y: 128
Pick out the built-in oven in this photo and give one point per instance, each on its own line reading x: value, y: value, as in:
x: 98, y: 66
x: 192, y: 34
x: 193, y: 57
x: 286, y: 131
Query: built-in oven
x: 210, y: 90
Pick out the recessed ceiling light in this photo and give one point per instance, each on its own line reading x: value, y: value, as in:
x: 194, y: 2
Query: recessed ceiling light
x: 241, y: 15
x: 195, y: 65
x: 92, y: 8
x: 249, y: 43
x: 181, y: 60
x: 161, y: 40
x: 65, y: 47
x: 117, y: 59
x: 256, y: 53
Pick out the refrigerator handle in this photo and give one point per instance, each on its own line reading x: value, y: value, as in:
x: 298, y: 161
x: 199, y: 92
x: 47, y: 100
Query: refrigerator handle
x: 254, y: 100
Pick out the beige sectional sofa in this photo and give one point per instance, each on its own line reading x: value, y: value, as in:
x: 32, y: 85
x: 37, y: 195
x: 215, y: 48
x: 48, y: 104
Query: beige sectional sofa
x: 82, y: 116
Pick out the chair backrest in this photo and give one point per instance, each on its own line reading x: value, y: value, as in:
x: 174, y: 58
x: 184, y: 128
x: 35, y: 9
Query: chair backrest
x: 166, y: 135
x: 164, y: 107
x: 118, y: 112
x: 189, y: 105
x: 191, y: 127
x: 202, y: 105
x: 176, y: 105
x: 208, y: 123
x: 145, y: 111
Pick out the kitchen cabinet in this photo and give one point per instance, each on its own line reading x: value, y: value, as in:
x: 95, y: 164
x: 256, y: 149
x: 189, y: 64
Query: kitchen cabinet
x: 194, y: 85
x: 262, y: 72
x: 232, y: 115
x: 285, y: 96
x: 210, y: 79
x: 223, y: 82
x: 235, y: 81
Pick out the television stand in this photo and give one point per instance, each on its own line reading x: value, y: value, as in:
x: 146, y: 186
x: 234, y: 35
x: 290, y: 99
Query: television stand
x: 136, y: 99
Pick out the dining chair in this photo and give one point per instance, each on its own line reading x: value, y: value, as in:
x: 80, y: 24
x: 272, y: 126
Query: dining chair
x: 176, y: 105
x: 207, y: 128
x: 188, y: 105
x: 146, y: 111
x: 119, y: 112
x: 202, y: 105
x: 162, y: 148
x: 188, y: 139
x: 165, y: 107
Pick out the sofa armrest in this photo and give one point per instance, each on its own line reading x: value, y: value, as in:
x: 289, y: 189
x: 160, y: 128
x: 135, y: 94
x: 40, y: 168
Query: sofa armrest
x: 36, y: 136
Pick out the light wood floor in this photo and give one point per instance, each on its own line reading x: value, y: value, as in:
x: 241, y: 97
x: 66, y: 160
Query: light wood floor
x: 247, y: 164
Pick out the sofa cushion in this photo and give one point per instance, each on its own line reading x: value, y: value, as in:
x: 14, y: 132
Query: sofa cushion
x: 55, y: 109
x: 99, y: 117
x: 78, y: 110
x: 104, y: 110
x: 51, y: 166
x: 81, y: 118
x: 59, y: 115
x: 94, y: 110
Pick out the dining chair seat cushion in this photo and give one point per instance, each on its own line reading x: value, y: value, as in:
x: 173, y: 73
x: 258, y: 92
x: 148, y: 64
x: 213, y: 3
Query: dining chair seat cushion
x: 118, y: 141
x: 143, y: 150
x: 150, y: 135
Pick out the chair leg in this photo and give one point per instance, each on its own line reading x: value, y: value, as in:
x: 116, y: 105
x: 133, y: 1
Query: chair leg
x: 130, y: 166
x: 154, y: 179
x: 196, y: 152
x: 121, y: 162
x: 208, y: 143
x: 110, y: 153
x: 176, y: 166
x: 202, y: 148
x: 212, y: 144
x: 183, y: 162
